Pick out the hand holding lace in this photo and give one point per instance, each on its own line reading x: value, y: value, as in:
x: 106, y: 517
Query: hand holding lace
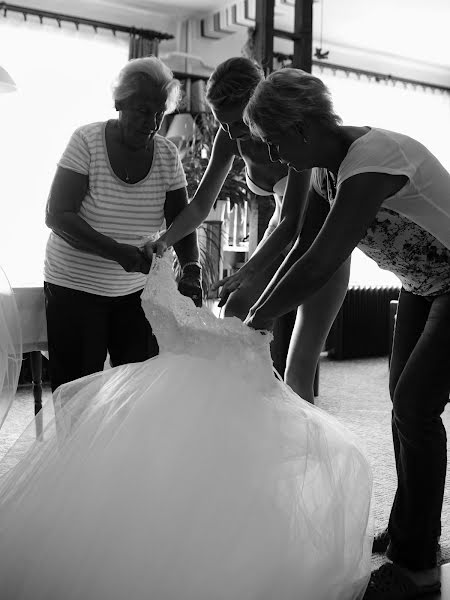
x: 190, y: 283
x: 132, y: 259
x: 157, y: 247
x: 256, y: 320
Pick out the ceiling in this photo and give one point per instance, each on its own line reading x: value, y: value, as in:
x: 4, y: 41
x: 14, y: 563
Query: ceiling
x: 406, y: 38
x: 412, y: 29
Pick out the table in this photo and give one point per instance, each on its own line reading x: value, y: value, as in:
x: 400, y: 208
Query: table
x: 31, y: 305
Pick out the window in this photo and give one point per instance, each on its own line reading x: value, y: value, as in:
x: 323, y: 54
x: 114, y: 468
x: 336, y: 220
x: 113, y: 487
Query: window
x: 64, y: 78
x: 418, y: 111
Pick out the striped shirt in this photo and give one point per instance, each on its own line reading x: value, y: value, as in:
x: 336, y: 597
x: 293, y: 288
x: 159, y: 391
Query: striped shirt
x: 130, y: 213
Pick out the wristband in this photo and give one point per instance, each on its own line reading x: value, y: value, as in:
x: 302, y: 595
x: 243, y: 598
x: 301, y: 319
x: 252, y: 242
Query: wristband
x: 197, y: 268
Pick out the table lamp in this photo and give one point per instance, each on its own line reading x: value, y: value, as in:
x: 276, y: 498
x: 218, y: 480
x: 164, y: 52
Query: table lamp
x: 7, y: 83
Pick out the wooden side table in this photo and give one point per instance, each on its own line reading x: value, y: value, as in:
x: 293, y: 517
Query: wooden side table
x: 31, y: 305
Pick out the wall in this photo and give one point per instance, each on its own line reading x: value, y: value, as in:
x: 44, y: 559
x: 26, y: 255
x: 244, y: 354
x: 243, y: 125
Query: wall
x: 370, y: 28
x: 217, y: 50
x: 404, y: 39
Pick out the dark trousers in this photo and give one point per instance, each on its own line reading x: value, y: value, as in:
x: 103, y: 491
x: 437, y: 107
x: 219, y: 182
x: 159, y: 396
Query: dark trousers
x: 419, y: 387
x: 83, y: 327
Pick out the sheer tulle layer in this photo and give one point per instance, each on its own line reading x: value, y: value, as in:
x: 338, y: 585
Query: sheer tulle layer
x: 176, y: 479
x: 192, y: 476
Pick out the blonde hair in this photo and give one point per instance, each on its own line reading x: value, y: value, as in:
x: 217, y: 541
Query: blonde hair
x: 287, y: 97
x: 233, y: 82
x: 150, y: 69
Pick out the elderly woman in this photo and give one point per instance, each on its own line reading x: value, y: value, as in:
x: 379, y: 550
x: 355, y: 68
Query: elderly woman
x: 392, y: 200
x: 228, y: 90
x: 115, y: 185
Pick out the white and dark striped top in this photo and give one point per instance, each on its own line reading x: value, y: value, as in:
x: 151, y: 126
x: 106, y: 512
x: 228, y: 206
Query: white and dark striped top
x: 127, y: 212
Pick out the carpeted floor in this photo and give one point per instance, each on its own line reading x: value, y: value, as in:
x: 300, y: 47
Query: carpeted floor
x: 356, y: 393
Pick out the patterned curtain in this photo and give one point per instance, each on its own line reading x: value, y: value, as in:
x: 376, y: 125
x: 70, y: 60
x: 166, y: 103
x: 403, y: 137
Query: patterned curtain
x: 140, y: 46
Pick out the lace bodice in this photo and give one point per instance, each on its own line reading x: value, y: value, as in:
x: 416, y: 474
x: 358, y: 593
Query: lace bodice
x: 182, y: 328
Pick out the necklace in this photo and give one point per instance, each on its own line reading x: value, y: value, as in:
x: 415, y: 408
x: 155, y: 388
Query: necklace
x: 132, y: 157
x: 128, y: 148
x: 331, y: 185
x: 146, y: 146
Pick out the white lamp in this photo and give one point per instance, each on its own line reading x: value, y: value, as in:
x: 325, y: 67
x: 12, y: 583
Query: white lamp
x: 7, y: 83
x: 181, y: 131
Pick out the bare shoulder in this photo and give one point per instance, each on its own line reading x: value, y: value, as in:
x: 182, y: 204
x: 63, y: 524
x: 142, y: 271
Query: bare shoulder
x: 353, y: 133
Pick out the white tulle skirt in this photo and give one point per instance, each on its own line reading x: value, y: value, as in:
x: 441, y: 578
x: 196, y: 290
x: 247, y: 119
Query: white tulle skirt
x: 175, y: 479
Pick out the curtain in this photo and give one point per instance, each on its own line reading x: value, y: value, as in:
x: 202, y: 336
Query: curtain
x: 140, y: 46
x: 419, y: 111
x: 64, y: 78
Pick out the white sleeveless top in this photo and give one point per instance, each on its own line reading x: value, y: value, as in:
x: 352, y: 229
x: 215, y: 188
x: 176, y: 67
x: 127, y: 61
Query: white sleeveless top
x: 425, y: 199
x: 410, y: 235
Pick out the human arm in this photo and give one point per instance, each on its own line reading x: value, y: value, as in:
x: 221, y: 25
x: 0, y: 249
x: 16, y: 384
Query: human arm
x: 186, y: 249
x: 357, y: 202
x: 283, y: 227
x: 197, y: 210
x: 67, y: 193
x: 316, y: 213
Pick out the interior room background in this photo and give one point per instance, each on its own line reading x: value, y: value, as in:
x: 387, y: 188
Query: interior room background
x: 64, y: 78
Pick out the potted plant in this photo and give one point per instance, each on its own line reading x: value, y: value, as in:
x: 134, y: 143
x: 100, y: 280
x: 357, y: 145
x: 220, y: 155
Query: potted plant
x: 234, y: 191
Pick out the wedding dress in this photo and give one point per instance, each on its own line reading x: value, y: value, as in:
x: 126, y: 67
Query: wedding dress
x: 10, y: 347
x: 196, y: 475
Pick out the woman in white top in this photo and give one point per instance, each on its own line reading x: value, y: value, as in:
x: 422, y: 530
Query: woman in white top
x: 116, y: 184
x: 228, y: 91
x: 393, y: 202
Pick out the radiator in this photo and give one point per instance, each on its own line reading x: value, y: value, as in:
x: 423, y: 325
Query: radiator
x: 361, y: 328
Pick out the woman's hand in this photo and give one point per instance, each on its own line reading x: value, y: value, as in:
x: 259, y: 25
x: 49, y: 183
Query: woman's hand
x: 256, y: 320
x: 132, y: 260
x: 230, y: 284
x: 157, y: 247
x: 190, y: 283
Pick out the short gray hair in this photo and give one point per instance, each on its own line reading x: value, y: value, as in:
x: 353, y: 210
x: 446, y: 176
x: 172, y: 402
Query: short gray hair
x: 150, y: 69
x: 286, y: 97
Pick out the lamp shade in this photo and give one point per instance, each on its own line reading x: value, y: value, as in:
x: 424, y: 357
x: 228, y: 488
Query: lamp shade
x: 7, y: 83
x: 181, y: 131
x: 182, y: 126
